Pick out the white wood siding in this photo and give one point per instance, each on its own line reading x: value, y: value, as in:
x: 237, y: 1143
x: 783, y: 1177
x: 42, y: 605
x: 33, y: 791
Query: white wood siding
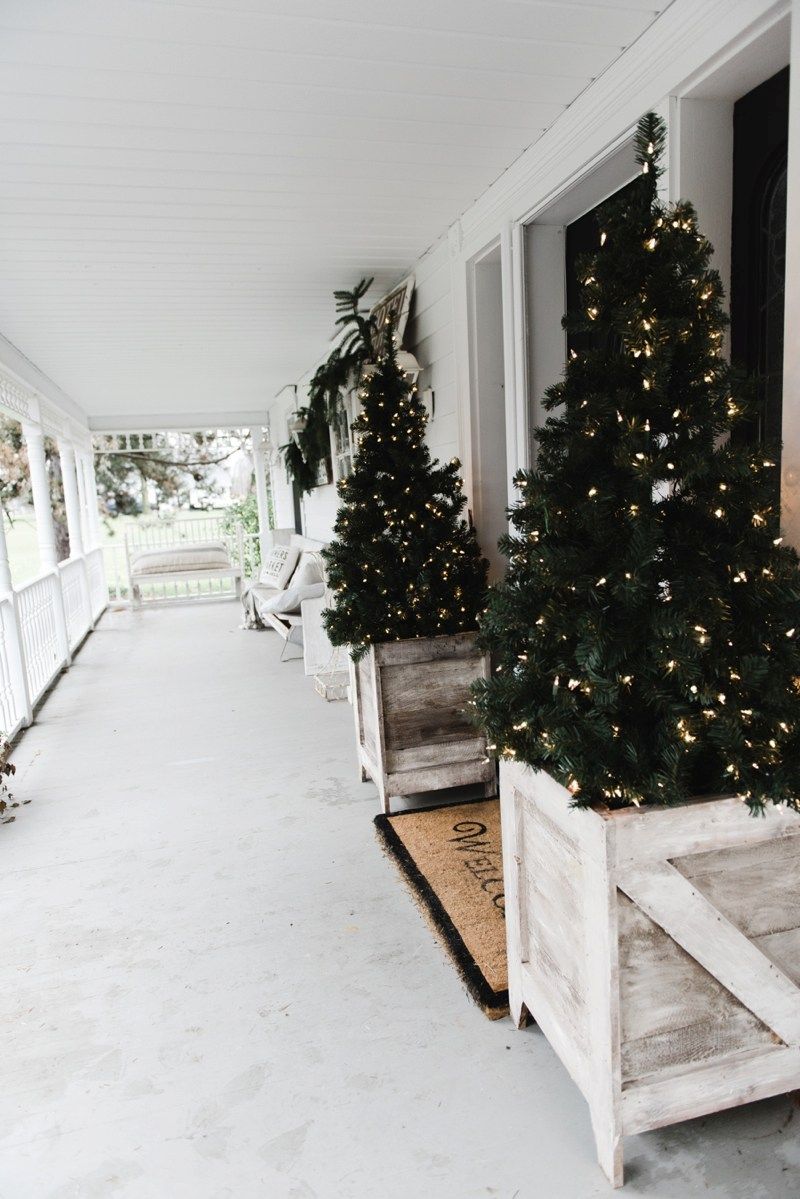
x: 429, y: 336
x: 689, y: 66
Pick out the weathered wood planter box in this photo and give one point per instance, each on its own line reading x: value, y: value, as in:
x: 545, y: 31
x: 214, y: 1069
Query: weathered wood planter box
x: 658, y: 949
x: 413, y: 733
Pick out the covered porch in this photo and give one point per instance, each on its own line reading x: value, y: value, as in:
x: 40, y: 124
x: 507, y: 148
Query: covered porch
x: 214, y: 984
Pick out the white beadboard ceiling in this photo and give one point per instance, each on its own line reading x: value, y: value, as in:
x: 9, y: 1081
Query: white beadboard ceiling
x: 183, y: 183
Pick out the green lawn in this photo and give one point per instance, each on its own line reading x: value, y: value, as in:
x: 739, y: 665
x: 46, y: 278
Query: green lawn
x: 23, y: 550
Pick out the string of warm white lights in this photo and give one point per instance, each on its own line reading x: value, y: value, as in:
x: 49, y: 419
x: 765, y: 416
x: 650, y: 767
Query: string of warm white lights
x: 403, y: 562
x: 645, y: 634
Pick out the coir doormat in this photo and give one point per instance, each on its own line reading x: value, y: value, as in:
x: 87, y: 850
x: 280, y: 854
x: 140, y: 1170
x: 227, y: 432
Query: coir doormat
x: 451, y: 858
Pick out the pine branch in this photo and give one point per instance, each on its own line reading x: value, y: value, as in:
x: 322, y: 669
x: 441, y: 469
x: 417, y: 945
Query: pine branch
x: 403, y: 562
x: 647, y: 633
x: 650, y: 141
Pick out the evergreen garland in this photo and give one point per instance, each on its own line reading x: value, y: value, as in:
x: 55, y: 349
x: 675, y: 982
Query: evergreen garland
x: 311, y: 447
x: 304, y: 455
x: 403, y: 562
x: 647, y: 631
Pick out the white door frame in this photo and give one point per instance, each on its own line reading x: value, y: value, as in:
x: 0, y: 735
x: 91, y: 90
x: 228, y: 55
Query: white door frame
x: 687, y: 44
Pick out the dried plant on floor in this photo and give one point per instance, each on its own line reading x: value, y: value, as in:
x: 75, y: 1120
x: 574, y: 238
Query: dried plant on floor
x: 6, y: 770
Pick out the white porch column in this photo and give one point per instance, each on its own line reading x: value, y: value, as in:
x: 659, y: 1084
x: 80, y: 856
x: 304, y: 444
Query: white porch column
x: 262, y: 498
x: 71, y: 498
x: 87, y: 491
x: 45, y: 529
x: 91, y: 501
x: 80, y: 475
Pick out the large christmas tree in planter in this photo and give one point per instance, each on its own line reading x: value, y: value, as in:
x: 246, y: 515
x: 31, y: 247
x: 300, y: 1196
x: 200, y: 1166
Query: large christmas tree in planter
x: 408, y: 582
x: 646, y: 641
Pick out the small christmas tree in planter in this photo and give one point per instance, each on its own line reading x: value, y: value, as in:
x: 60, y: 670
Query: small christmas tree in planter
x: 408, y: 581
x: 646, y: 636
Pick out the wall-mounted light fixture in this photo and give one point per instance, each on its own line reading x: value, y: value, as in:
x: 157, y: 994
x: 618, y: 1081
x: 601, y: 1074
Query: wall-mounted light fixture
x: 408, y: 365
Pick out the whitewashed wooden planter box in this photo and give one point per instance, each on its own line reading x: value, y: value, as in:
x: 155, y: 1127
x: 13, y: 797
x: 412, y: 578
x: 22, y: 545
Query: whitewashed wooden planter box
x: 658, y: 949
x: 413, y: 732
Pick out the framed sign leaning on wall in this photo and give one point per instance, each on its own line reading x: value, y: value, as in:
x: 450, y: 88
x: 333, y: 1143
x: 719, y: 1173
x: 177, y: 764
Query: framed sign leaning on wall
x: 395, y: 308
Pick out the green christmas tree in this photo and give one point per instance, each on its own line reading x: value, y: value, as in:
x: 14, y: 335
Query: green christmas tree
x: 403, y: 562
x: 646, y: 632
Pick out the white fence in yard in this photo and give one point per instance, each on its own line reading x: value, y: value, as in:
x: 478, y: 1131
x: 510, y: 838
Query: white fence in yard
x: 98, y: 587
x: 168, y: 534
x: 42, y: 623
x: 156, y: 534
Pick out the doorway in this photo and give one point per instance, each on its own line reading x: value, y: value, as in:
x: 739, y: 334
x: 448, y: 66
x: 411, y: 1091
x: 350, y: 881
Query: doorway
x: 758, y: 247
x: 488, y: 404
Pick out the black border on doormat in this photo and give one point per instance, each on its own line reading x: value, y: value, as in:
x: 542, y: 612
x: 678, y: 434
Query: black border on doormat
x: 493, y: 1003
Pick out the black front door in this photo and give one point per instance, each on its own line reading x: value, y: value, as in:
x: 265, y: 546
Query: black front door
x: 758, y: 247
x: 583, y: 237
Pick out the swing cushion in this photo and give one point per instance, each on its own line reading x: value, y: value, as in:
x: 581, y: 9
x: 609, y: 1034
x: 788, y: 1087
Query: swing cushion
x: 172, y: 559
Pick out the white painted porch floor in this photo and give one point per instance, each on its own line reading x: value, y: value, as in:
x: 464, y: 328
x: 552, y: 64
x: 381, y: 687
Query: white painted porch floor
x: 213, y: 985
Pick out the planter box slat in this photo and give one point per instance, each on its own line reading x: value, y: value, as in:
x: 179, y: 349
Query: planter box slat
x: 417, y: 756
x: 716, y: 1088
x: 443, y: 718
x: 714, y: 824
x: 413, y: 731
x: 367, y: 710
x: 784, y: 949
x: 689, y: 1017
x: 720, y: 948
x: 682, y: 1048
x: 658, y: 949
x: 437, y: 778
x: 770, y: 870
x: 426, y: 649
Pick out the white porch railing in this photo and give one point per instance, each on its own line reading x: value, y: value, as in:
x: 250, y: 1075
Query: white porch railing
x: 13, y: 705
x: 77, y: 606
x: 42, y: 631
x: 42, y: 623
